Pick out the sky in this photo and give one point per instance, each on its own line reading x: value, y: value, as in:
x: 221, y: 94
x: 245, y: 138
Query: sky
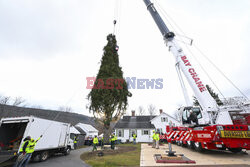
x: 48, y: 48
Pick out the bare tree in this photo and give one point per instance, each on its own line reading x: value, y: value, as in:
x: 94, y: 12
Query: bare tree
x: 5, y: 99
x: 141, y: 110
x: 18, y: 101
x: 65, y: 109
x: 177, y: 115
x: 151, y: 109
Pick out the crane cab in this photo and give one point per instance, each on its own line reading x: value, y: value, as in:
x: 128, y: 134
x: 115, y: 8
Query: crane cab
x: 191, y: 115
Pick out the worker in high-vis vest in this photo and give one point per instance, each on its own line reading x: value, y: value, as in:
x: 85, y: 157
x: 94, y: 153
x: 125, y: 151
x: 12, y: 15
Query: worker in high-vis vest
x: 153, y: 137
x: 33, y: 144
x: 95, y: 143
x: 115, y: 139
x: 157, y: 139
x: 75, y: 142
x: 102, y: 142
x: 22, y: 151
x: 28, y: 147
x: 134, y: 138
x: 112, y: 141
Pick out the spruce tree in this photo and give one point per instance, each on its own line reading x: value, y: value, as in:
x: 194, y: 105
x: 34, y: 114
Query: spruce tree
x: 108, y: 97
x: 212, y: 93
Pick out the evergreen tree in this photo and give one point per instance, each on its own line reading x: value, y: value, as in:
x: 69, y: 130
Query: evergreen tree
x: 212, y: 93
x: 108, y: 97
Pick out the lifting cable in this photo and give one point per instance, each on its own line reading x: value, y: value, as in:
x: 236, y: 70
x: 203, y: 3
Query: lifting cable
x: 221, y: 72
x: 117, y: 16
x: 59, y: 112
x: 161, y: 10
x: 165, y: 13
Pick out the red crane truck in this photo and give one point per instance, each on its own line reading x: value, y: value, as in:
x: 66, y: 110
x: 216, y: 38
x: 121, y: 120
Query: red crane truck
x: 209, y: 126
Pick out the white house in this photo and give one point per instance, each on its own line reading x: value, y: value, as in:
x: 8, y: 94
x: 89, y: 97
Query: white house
x: 161, y: 121
x: 140, y: 125
x: 88, y: 129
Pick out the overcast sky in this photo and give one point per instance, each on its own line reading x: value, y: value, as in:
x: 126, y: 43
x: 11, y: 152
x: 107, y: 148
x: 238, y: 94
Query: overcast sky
x: 49, y: 47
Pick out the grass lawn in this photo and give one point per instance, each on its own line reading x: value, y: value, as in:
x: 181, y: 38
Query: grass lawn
x: 127, y: 155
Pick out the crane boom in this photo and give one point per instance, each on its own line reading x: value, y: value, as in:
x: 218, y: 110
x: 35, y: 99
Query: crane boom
x: 201, y: 93
x: 157, y: 18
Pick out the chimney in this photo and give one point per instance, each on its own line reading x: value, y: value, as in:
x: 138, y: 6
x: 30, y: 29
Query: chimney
x: 161, y: 111
x: 133, y: 113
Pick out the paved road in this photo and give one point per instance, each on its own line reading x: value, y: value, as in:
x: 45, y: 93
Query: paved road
x: 64, y: 161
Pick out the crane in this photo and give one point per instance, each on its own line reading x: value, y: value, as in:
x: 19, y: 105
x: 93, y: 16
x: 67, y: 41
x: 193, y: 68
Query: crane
x: 210, y: 112
x: 214, y: 127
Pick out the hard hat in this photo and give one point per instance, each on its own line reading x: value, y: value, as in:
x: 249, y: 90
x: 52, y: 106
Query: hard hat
x: 153, y: 130
x: 27, y: 138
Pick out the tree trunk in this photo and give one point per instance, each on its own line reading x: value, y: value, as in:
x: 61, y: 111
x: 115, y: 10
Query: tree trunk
x: 106, y: 134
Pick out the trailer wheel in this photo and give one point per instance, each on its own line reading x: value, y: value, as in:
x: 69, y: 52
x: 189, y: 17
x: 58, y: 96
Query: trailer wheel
x: 235, y: 150
x: 44, y: 156
x: 198, y: 147
x: 67, y: 151
x: 190, y: 144
x: 35, y: 157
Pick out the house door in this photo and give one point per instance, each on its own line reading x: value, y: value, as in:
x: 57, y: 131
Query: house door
x: 132, y: 131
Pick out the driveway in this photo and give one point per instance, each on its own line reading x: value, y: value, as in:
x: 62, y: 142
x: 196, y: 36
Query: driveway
x: 208, y: 158
x: 64, y: 161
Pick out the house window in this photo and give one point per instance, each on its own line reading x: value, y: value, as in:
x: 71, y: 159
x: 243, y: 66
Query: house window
x: 170, y: 123
x: 164, y: 119
x: 120, y: 133
x: 145, y: 132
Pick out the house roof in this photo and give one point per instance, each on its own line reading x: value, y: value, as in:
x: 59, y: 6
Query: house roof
x: 167, y: 116
x: 61, y: 116
x: 135, y: 122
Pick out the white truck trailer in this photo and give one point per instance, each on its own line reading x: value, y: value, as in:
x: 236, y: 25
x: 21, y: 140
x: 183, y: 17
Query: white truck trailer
x: 90, y: 131
x: 55, y: 139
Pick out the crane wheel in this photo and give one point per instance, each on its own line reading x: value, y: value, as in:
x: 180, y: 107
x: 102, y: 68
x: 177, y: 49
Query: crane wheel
x: 198, y: 147
x: 235, y: 150
x: 190, y: 144
x: 182, y: 144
